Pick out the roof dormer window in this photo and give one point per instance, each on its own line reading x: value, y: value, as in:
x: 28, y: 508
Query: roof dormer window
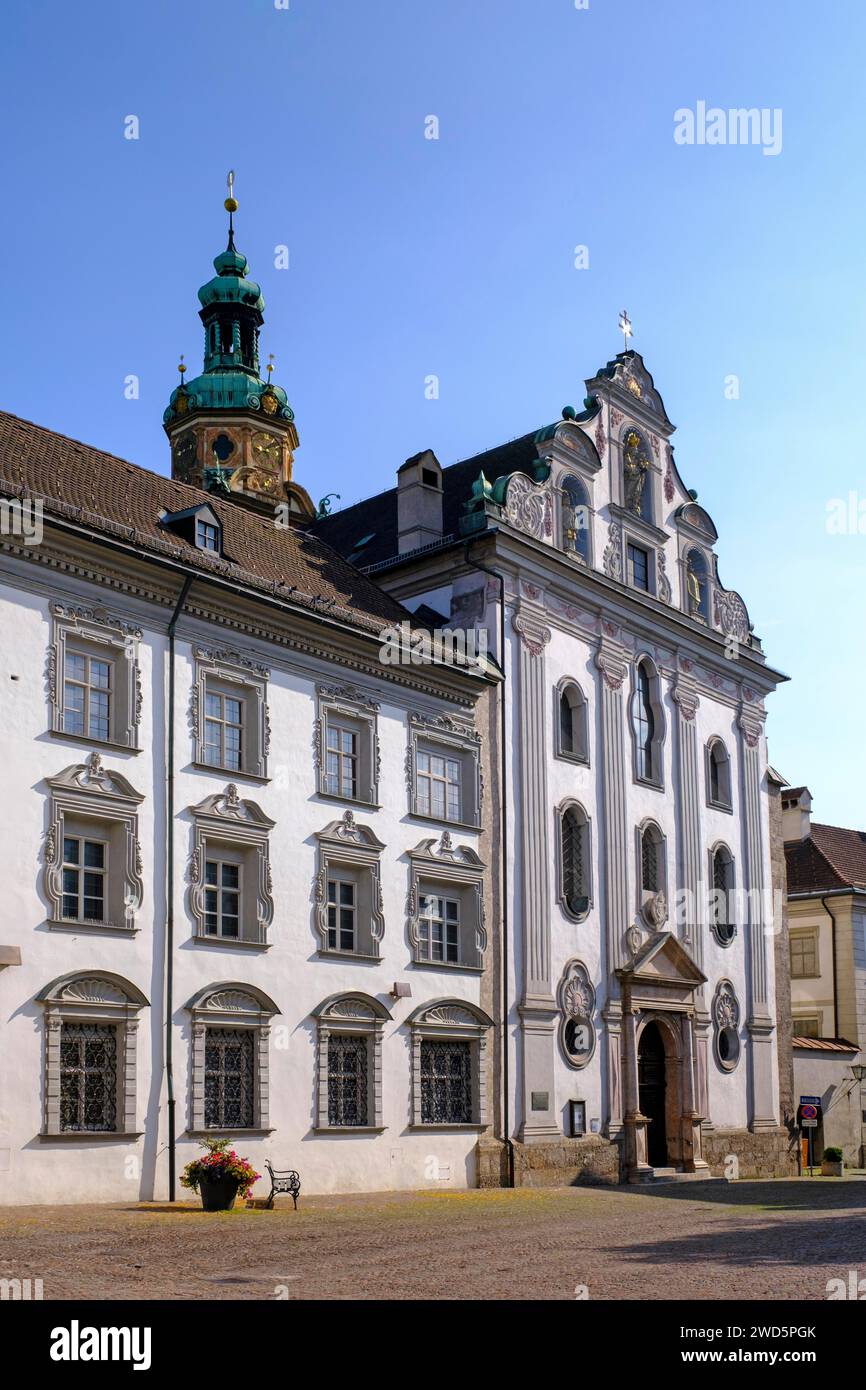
x: 198, y: 525
x: 207, y: 536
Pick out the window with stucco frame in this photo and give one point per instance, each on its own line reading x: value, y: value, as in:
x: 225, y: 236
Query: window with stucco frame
x: 86, y: 800
x: 348, y: 708
x: 234, y: 1006
x: 349, y: 852
x: 450, y: 1020
x: 454, y: 872
x: 91, y: 998
x: 358, y: 1016
x: 91, y: 631
x: 229, y: 673
x: 227, y: 828
x: 445, y: 737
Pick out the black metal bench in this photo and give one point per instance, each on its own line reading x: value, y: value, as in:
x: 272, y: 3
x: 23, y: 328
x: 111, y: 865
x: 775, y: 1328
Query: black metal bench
x: 283, y: 1180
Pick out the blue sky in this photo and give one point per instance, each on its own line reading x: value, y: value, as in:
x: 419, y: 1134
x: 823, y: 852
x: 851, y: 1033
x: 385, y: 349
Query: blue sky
x: 455, y: 257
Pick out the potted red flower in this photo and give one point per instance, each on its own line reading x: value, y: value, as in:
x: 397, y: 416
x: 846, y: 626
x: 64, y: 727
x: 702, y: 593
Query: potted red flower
x: 219, y: 1176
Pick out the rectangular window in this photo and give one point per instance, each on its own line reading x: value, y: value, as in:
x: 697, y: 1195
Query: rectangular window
x: 88, y: 1076
x: 439, y: 930
x: 229, y: 1070
x: 223, y: 731
x: 207, y: 535
x: 341, y: 774
x: 638, y: 567
x: 222, y: 898
x: 347, y: 1080
x: 804, y: 957
x: 87, y: 692
x: 438, y: 785
x: 446, y: 1083
x: 342, y: 908
x: 85, y: 872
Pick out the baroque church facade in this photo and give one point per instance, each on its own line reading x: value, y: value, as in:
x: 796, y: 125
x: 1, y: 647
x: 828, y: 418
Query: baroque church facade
x: 632, y: 795
x: 393, y: 924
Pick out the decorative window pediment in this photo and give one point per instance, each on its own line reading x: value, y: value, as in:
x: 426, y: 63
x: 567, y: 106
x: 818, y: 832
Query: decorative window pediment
x: 349, y: 1045
x: 443, y: 769
x: 449, y: 1064
x: 93, y: 675
x: 229, y: 1073
x: 446, y: 905
x: 92, y: 855
x: 347, y: 744
x: 229, y: 870
x: 91, y: 1022
x: 228, y: 712
x: 348, y: 894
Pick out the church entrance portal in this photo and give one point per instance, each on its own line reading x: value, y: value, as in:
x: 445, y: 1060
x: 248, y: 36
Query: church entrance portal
x: 651, y: 1085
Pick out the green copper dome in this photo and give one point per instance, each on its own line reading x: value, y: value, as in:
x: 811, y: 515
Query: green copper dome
x: 231, y: 313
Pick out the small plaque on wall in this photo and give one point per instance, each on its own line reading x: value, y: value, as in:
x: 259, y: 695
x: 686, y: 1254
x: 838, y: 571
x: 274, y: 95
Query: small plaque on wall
x: 541, y: 1100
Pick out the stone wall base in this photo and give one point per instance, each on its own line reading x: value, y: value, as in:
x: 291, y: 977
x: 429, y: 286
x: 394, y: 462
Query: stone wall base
x: 559, y: 1163
x: 768, y: 1153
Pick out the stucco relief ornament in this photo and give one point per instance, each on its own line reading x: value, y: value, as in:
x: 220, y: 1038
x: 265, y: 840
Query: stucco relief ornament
x: 611, y: 561
x: 600, y: 440
x: 633, y: 939
x: 669, y: 476
x: 612, y: 669
x: 533, y: 633
x: 527, y: 506
x: 663, y: 584
x: 347, y: 829
x: 732, y: 615
x: 656, y: 909
x: 616, y: 417
x: 726, y: 1009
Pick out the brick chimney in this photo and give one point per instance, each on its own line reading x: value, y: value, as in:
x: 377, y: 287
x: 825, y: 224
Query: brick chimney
x: 419, y: 502
x: 796, y: 813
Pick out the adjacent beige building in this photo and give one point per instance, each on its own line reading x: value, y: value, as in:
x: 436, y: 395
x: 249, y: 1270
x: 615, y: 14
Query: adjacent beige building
x: 826, y: 877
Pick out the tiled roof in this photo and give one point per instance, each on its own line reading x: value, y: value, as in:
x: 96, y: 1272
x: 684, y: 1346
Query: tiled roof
x: 825, y: 1044
x: 829, y: 858
x: 376, y: 517
x: 124, y: 501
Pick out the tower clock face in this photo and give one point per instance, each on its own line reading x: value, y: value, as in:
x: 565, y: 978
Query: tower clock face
x: 184, y: 457
x: 267, y: 450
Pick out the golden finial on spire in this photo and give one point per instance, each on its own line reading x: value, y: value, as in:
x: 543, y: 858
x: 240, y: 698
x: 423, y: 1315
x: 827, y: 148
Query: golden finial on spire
x: 181, y: 366
x: 270, y: 366
x: 231, y: 202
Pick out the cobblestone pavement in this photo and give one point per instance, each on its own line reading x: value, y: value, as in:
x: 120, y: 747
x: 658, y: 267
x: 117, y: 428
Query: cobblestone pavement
x: 749, y: 1240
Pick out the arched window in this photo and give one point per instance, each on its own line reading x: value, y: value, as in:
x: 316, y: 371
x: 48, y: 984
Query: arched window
x: 647, y: 724
x: 229, y: 1064
x: 718, y: 775
x: 91, y: 1021
x: 698, y: 585
x: 349, y: 1029
x: 574, y: 860
x: 637, y: 474
x: 572, y: 741
x: 575, y: 519
x: 722, y: 906
x: 652, y: 870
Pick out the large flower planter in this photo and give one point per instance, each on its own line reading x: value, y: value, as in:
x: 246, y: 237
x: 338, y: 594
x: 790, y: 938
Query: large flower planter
x: 830, y: 1169
x: 218, y: 1194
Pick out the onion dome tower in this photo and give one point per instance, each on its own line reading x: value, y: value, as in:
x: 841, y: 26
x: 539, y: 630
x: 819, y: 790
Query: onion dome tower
x: 230, y: 431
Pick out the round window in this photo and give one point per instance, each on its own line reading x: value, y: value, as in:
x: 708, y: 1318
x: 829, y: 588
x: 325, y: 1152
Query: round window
x: 729, y: 1047
x: 578, y: 1037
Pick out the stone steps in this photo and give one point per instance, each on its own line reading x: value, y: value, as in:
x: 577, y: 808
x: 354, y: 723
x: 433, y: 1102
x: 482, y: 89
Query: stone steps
x: 654, y: 1176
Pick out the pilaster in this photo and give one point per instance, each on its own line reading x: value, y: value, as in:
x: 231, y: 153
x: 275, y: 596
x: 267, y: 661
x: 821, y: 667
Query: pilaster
x: 537, y: 1008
